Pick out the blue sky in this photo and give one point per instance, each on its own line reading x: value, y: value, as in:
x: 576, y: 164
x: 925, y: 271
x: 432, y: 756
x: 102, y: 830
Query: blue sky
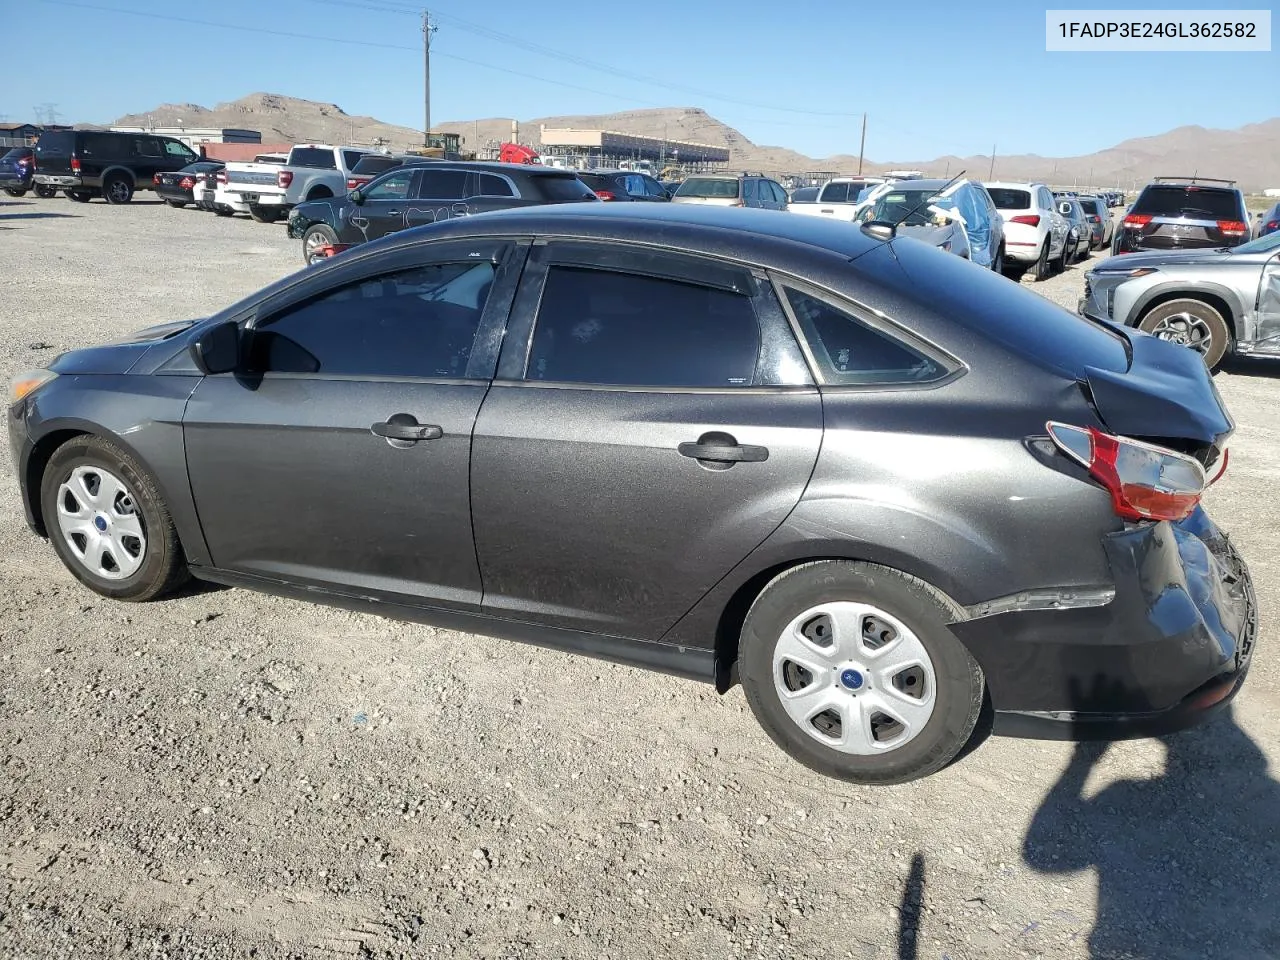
x: 934, y: 78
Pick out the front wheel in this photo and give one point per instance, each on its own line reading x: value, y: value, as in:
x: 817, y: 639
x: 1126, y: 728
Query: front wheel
x: 852, y: 670
x: 108, y: 523
x: 1190, y: 323
x: 16, y: 191
x: 317, y: 237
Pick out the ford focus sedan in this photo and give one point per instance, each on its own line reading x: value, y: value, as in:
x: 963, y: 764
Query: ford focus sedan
x: 878, y: 488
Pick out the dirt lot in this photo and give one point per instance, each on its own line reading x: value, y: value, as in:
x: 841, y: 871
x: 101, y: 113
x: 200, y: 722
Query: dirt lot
x: 227, y: 775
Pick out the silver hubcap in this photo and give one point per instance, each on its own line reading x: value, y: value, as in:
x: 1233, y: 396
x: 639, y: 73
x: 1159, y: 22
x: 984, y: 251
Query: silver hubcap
x: 1185, y: 329
x: 100, y: 523
x: 854, y: 678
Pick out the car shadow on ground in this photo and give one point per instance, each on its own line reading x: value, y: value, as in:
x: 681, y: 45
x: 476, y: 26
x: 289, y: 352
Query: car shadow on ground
x: 15, y: 203
x: 1253, y: 367
x: 37, y: 216
x: 1187, y: 863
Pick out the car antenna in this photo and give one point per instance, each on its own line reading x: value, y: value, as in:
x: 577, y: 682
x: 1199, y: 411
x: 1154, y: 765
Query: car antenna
x: 887, y: 230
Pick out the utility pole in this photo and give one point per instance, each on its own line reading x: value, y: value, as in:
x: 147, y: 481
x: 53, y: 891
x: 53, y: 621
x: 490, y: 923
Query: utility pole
x: 991, y: 173
x: 862, y: 147
x: 428, y: 28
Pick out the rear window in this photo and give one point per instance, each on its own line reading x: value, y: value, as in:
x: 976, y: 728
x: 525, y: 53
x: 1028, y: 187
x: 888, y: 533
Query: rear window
x: 1212, y: 203
x: 312, y: 157
x: 56, y: 144
x: 708, y: 188
x: 989, y: 306
x: 373, y: 164
x: 1006, y: 198
x: 17, y: 153
x: 597, y: 181
x: 562, y: 189
x: 842, y: 192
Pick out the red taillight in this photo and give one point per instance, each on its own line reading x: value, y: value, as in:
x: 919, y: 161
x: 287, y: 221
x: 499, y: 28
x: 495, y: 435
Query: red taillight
x: 221, y: 176
x: 75, y: 164
x: 1146, y: 482
x: 1233, y: 228
x: 1137, y: 220
x: 353, y: 183
x: 1272, y: 225
x: 606, y: 195
x: 1095, y: 219
x: 186, y: 183
x: 155, y: 179
x: 284, y: 178
x: 1030, y: 219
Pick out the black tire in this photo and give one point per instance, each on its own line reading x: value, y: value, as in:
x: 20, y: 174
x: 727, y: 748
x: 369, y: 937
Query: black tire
x: 1068, y: 254
x: 264, y: 214
x: 1042, y: 269
x: 1198, y: 315
x: 163, y: 565
x: 79, y: 196
x: 46, y: 192
x: 117, y: 189
x: 176, y: 204
x: 998, y: 263
x: 224, y: 212
x: 16, y: 191
x: 316, y: 236
x: 959, y: 688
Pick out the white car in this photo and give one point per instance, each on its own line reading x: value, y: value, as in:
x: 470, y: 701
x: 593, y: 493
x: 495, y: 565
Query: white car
x: 838, y: 198
x: 1035, y: 234
x: 223, y: 203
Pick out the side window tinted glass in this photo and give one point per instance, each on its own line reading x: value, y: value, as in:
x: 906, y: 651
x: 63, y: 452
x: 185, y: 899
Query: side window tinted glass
x: 176, y: 148
x: 395, y: 186
x: 415, y: 323
x: 147, y: 147
x: 601, y: 327
x: 492, y: 186
x: 442, y: 185
x: 750, y: 191
x: 850, y: 352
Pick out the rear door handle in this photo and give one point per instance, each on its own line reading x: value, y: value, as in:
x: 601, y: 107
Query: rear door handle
x: 722, y: 448
x: 404, y: 427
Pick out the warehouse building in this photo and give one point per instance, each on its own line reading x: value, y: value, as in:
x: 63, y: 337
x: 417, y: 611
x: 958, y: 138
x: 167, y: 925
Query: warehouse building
x: 194, y: 136
x: 608, y: 148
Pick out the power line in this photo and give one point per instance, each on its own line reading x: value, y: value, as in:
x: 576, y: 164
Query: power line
x: 387, y: 6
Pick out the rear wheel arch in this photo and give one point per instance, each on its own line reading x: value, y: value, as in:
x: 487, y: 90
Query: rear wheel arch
x: 319, y: 193
x: 733, y: 616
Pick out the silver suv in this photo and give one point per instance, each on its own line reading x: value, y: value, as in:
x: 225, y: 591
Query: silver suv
x: 727, y: 190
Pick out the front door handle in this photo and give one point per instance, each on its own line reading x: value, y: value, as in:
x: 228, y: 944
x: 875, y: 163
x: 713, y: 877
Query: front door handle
x: 722, y: 448
x: 403, y: 426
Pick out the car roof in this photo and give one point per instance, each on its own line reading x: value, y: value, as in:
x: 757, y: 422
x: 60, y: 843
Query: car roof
x: 717, y: 230
x: 1015, y: 184
x: 930, y: 184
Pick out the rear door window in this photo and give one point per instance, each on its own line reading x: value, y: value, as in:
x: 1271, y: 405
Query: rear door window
x: 351, y: 157
x: 493, y: 186
x: 562, y: 189
x: 176, y: 148
x: 148, y: 147
x: 850, y: 352
x: 442, y: 185
x: 619, y: 329
x: 394, y: 186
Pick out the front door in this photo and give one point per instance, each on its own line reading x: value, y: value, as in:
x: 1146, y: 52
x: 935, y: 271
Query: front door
x: 1269, y: 307
x: 339, y: 456
x: 652, y: 423
x: 386, y: 204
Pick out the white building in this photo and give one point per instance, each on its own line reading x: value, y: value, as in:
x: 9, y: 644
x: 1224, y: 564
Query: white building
x: 193, y: 136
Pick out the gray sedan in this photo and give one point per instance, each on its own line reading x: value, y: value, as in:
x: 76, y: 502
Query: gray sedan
x: 1210, y: 300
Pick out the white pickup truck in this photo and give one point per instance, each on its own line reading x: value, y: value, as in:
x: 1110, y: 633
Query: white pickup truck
x: 313, y: 171
x: 838, y: 198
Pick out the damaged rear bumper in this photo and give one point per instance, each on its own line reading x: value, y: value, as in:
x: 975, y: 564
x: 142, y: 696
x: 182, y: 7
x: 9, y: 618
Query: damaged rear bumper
x: 1171, y: 648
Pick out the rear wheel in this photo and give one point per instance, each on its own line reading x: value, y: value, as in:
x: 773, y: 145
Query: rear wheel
x: 315, y: 240
x: 117, y: 189
x: 851, y: 669
x: 177, y: 204
x: 1042, y: 268
x: 108, y: 523
x: 998, y: 263
x: 264, y: 214
x: 223, y: 212
x: 46, y: 192
x: 79, y: 196
x: 1068, y: 253
x: 1190, y: 323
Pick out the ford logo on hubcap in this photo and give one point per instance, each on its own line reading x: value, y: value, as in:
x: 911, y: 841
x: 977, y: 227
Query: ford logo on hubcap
x: 851, y: 679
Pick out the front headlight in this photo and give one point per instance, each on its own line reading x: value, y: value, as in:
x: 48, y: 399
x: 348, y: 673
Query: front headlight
x: 27, y: 381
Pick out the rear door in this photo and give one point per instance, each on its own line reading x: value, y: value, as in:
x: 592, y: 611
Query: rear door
x: 146, y: 157
x: 652, y: 422
x: 439, y: 195
x: 339, y: 455
x: 53, y: 153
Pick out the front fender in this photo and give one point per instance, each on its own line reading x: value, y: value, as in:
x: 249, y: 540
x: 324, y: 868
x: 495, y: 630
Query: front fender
x: 1132, y: 304
x: 141, y: 414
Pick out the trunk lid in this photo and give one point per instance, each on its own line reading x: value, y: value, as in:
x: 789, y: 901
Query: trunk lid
x: 1166, y: 396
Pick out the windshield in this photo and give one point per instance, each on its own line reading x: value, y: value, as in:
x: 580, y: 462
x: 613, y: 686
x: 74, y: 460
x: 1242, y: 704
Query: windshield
x: 1212, y: 203
x: 894, y: 206
x: 708, y: 188
x: 1269, y: 243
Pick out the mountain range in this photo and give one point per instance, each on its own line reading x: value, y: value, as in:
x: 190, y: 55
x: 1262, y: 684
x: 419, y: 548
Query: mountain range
x: 1248, y: 154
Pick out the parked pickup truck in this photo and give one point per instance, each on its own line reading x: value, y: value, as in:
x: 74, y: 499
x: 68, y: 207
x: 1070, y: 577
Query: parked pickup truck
x: 838, y: 198
x: 314, y: 171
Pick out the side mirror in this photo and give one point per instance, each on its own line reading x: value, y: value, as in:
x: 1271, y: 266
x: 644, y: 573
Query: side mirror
x: 356, y: 197
x: 218, y: 349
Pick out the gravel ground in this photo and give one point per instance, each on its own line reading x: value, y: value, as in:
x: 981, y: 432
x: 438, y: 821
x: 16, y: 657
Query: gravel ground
x: 226, y: 774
